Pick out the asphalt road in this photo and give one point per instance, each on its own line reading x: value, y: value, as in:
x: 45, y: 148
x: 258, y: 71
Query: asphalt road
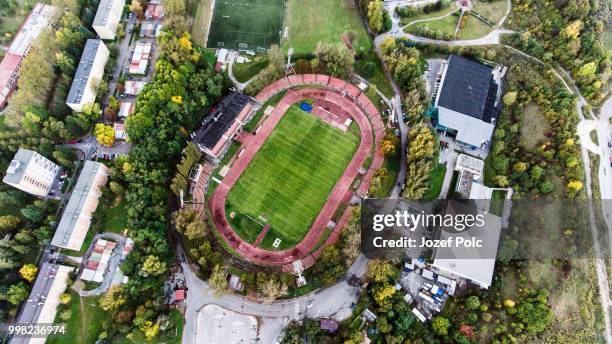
x: 333, y: 302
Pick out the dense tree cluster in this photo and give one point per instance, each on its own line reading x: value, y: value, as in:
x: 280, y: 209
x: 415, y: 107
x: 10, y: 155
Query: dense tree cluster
x: 570, y: 33
x: 404, y: 62
x: 158, y: 130
x: 25, y: 231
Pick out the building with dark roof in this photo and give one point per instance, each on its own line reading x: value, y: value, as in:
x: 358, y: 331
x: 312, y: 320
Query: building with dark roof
x: 467, y: 101
x: 223, y: 125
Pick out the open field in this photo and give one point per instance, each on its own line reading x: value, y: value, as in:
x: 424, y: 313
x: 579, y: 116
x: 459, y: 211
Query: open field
x: 494, y: 11
x: 246, y: 24
x: 446, y: 25
x: 85, y: 323
x: 474, y: 28
x: 608, y: 37
x: 289, y: 179
x: 314, y: 21
x: 533, y: 126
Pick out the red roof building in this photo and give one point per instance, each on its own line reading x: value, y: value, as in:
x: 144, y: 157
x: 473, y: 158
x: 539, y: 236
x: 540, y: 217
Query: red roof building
x: 179, y: 295
x: 9, y: 71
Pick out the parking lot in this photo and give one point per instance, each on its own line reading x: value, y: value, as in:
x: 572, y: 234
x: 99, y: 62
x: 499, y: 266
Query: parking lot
x: 216, y: 324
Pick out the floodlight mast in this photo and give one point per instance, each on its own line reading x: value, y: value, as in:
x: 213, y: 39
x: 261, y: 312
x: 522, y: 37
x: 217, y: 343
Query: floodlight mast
x: 289, y: 69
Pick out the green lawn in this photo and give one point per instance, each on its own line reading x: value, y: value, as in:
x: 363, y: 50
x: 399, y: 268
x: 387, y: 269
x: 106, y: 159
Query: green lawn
x: 436, y: 181
x: 474, y: 28
x: 494, y: 11
x: 290, y: 178
x: 245, y: 71
x: 312, y: 21
x: 451, y: 8
x: 446, y: 25
x: 246, y: 24
x: 252, y: 125
x: 86, y: 321
x: 497, y: 202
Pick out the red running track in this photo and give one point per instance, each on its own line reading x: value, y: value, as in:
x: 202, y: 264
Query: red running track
x: 334, y: 93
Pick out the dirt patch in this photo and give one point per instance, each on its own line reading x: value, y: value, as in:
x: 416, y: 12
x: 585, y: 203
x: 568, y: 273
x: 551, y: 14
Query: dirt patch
x: 534, y: 126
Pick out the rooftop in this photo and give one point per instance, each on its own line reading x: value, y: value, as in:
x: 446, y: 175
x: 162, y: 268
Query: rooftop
x: 221, y: 119
x: 41, y: 306
x: 8, y: 67
x: 38, y: 19
x: 20, y: 163
x: 78, y: 200
x: 83, y: 72
x: 466, y: 87
x: 103, y: 12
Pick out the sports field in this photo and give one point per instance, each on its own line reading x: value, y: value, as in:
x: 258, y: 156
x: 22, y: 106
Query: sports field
x: 289, y: 179
x: 246, y: 24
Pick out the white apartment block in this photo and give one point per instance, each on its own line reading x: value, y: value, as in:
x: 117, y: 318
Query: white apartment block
x: 76, y: 219
x: 31, y: 172
x: 107, y: 18
x: 90, y: 71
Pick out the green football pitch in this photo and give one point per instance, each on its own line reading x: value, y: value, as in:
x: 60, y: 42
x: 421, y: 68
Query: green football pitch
x: 246, y: 24
x: 289, y: 179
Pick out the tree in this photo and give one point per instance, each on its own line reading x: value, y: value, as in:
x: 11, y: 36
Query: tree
x: 28, y: 272
x: 272, y: 289
x: 174, y: 7
x: 218, y: 280
x: 8, y: 223
x: 17, y: 293
x: 105, y: 134
x: 337, y: 59
x: 381, y: 271
x: 152, y: 266
x: 113, y: 298
x: 472, y: 303
x: 136, y: 7
x: 510, y: 98
x: 65, y: 299
x: 440, y: 325
x: 376, y: 15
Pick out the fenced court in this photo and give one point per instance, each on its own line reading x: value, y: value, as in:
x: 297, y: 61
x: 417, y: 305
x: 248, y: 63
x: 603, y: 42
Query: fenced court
x: 246, y: 24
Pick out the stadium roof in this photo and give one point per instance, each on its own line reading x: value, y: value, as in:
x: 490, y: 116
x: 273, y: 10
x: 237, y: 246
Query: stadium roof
x: 466, y: 86
x: 83, y: 72
x: 221, y: 119
x: 72, y: 219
